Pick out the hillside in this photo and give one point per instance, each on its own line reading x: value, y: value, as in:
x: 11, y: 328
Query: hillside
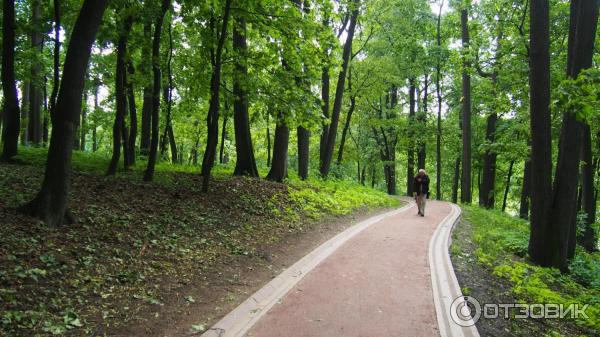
x: 143, y: 256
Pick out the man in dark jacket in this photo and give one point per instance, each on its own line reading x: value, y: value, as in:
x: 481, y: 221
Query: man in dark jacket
x: 421, y: 190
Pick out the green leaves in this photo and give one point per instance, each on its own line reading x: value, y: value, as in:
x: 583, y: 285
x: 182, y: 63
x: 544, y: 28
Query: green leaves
x: 580, y: 96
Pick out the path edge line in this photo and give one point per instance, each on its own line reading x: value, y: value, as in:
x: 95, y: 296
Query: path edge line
x: 443, y: 279
x: 244, y: 316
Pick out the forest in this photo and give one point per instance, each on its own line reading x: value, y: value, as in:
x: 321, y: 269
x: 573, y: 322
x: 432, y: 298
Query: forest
x: 498, y: 100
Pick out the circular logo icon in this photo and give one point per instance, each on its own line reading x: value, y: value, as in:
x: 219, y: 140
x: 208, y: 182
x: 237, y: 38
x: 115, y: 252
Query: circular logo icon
x: 465, y: 311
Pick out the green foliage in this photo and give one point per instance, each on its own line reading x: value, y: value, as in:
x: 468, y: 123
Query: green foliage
x: 319, y: 197
x: 502, y: 246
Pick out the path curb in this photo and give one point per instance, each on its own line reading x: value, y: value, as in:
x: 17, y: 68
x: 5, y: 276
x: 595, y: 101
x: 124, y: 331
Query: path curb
x: 244, y: 316
x: 443, y: 279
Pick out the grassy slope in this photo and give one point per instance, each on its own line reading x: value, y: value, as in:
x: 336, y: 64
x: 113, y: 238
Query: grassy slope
x: 501, y: 247
x: 138, y: 244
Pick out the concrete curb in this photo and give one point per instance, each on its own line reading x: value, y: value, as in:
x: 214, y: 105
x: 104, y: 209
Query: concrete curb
x: 242, y: 318
x: 443, y: 280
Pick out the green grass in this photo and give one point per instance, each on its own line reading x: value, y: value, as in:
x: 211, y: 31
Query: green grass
x: 502, y: 245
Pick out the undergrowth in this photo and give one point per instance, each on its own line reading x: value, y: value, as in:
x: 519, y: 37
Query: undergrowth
x: 502, y: 246
x: 136, y: 243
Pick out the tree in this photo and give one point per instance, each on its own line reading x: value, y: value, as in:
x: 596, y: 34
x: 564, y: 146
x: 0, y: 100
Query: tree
x: 553, y: 208
x: 245, y: 163
x: 149, y: 173
x: 50, y: 204
x: 120, y: 91
x: 339, y: 92
x: 10, y: 107
x: 465, y: 186
x: 212, y: 120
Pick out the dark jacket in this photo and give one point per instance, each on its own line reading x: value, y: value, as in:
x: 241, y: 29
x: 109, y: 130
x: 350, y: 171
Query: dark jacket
x: 421, y: 185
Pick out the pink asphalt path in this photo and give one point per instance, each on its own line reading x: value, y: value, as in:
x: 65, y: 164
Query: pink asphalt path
x: 378, y: 283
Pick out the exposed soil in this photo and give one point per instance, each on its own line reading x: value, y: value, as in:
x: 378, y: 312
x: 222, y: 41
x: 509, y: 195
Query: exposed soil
x: 478, y: 281
x: 145, y: 259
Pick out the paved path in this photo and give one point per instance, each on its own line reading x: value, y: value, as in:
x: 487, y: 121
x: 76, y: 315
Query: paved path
x: 376, y: 284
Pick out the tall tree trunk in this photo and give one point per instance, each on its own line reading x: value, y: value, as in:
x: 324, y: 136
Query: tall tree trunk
x: 278, y: 170
x: 133, y: 125
x: 541, y: 147
x: 222, y: 158
x: 84, y: 111
x: 455, y: 181
x: 149, y: 173
x: 10, y: 110
x: 212, y: 120
x: 588, y: 238
x: 325, y: 87
x: 168, y: 98
x: 96, y: 108
x: 303, y: 151
x: 339, y: 92
x: 46, y: 121
x: 245, y: 161
x: 35, y: 91
x: 506, y: 189
x: 525, y: 190
x: 268, y: 142
x: 55, y: 58
x: 582, y: 33
x: 120, y: 93
x: 488, y: 185
x: 465, y: 187
x: 438, y: 90
x: 348, y: 118
x: 25, y: 113
x: 146, y: 68
x: 421, y: 156
x: 50, y: 204
x: 410, y: 167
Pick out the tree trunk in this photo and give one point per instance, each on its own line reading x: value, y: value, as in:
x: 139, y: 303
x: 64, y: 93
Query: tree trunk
x: 488, y: 185
x: 133, y: 126
x: 588, y: 238
x: 55, y: 58
x: 120, y: 94
x: 455, y: 181
x: 339, y: 92
x: 582, y: 32
x: 25, y: 113
x: 50, y: 204
x: 348, y: 118
x: 96, y: 108
x: 465, y: 187
x: 438, y: 135
x: 147, y: 92
x: 278, y: 170
x: 541, y: 148
x: 155, y: 111
x: 410, y: 167
x: 268, y: 142
x: 10, y: 110
x: 168, y: 98
x: 245, y: 161
x: 525, y: 191
x: 35, y: 91
x: 421, y: 156
x: 212, y: 120
x: 508, y: 177
x: 84, y: 112
x: 303, y: 151
x: 222, y: 159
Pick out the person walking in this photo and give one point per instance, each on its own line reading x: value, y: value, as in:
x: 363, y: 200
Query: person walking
x: 421, y: 190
